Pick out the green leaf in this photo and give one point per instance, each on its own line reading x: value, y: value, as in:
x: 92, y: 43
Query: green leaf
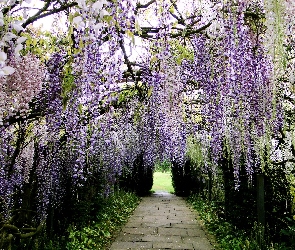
x: 108, y: 19
x: 138, y: 28
x: 80, y: 108
x: 68, y: 86
x: 150, y: 91
x: 130, y: 35
x: 105, y: 233
x: 171, y: 9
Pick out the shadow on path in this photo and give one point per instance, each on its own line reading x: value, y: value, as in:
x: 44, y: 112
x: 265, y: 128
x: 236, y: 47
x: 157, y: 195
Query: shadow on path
x: 162, y: 221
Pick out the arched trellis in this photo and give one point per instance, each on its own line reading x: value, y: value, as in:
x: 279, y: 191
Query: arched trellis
x: 80, y: 127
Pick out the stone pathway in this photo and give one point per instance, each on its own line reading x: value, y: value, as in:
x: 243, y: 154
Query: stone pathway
x: 162, y: 221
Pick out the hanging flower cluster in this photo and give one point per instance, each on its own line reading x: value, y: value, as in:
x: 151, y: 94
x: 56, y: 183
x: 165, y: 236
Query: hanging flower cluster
x: 17, y: 90
x: 9, y: 35
x: 81, y: 133
x: 240, y: 109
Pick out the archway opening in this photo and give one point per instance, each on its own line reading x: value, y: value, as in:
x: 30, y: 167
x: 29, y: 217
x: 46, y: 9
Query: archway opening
x: 162, y: 177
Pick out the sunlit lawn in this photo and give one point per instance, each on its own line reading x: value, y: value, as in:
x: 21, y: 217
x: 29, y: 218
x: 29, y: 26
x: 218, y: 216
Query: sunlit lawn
x: 162, y: 182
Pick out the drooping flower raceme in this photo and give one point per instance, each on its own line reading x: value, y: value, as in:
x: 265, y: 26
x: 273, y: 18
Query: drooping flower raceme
x: 239, y: 107
x: 18, y: 89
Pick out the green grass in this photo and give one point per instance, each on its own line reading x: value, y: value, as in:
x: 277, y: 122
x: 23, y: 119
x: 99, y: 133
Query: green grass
x: 162, y: 182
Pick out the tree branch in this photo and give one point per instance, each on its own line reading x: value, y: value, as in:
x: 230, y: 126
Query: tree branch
x: 7, y: 9
x: 143, y: 6
x: 17, y: 118
x: 190, y: 32
x: 17, y: 231
x: 11, y: 228
x: 129, y: 66
x: 179, y: 18
x: 39, y: 14
x: 283, y: 162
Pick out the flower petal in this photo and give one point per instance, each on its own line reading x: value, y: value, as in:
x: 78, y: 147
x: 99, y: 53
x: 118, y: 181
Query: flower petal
x: 18, y: 48
x: 7, y: 70
x: 3, y: 56
x: 104, y: 13
x: 21, y: 39
x: 17, y: 27
x: 97, y: 5
x: 8, y: 36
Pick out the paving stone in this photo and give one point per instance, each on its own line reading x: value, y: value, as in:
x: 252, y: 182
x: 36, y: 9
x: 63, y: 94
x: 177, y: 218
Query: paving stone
x: 161, y: 238
x: 172, y: 231
x: 162, y: 221
x: 166, y: 245
x: 187, y: 225
x: 203, y: 245
x: 127, y: 245
x: 155, y: 218
x: 129, y: 237
x: 139, y: 230
x: 195, y: 240
x: 156, y: 224
x: 134, y: 224
x: 194, y: 232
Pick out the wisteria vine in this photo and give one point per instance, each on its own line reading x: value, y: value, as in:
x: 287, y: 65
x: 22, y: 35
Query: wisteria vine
x: 89, y: 111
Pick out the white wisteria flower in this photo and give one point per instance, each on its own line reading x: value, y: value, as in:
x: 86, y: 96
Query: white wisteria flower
x: 1, y: 19
x: 17, y: 49
x: 98, y: 5
x: 3, y: 57
x: 78, y: 22
x: 81, y: 4
x: 7, y: 70
x: 104, y: 13
x: 97, y: 27
x: 17, y: 26
x: 11, y: 2
x: 21, y: 39
x: 8, y: 36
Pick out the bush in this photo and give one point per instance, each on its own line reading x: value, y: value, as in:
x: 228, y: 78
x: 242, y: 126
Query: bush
x: 138, y: 179
x: 163, y: 167
x: 98, y: 233
x: 230, y: 237
x: 181, y: 179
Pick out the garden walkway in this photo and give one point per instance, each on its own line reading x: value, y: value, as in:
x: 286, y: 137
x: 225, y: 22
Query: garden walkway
x: 162, y: 221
